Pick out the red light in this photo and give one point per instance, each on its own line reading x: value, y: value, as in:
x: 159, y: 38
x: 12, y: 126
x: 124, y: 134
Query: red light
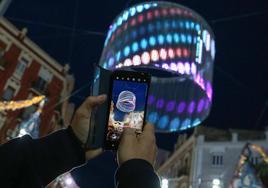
x: 118, y: 31
x: 136, y: 60
x: 178, y: 11
x: 171, y: 53
x: 133, y: 22
x: 164, y: 12
x: 140, y: 18
x: 172, y: 11
x: 185, y: 52
x: 149, y: 15
x: 163, y: 54
x: 156, y: 13
x: 154, y: 55
x: 125, y: 26
x: 145, y: 58
x: 112, y: 38
x: 178, y: 52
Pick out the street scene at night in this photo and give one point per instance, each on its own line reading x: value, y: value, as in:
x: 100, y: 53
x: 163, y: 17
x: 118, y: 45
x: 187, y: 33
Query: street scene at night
x: 133, y: 94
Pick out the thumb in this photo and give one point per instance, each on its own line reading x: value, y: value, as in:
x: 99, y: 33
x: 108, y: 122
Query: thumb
x: 93, y: 101
x: 128, y: 135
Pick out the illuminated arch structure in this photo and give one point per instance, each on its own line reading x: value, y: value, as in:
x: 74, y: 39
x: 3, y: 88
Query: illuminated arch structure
x: 177, y: 47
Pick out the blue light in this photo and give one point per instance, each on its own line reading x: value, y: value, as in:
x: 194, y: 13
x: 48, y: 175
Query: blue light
x: 142, y: 30
x: 196, y: 122
x: 125, y: 15
x: 158, y: 25
x: 197, y: 27
x: 132, y: 11
x: 126, y: 51
x: 118, y: 55
x: 160, y: 39
x: 150, y: 27
x: 186, y: 124
x: 147, y: 6
x: 166, y: 25
x: 176, y: 37
x: 192, y: 25
x: 119, y: 21
x: 144, y: 44
x: 187, y: 25
x: 105, y: 65
x: 139, y: 8
x: 163, y: 122
x: 135, y: 47
x: 152, y: 41
x: 183, y: 38
x: 189, y: 39
x: 169, y: 38
x: 126, y: 38
x: 174, y: 124
x: 153, y: 117
x: 111, y: 62
x: 181, y: 24
x: 174, y: 24
x: 195, y: 39
x: 134, y: 34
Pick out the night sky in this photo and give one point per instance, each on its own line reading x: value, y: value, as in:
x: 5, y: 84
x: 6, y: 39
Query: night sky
x: 65, y: 30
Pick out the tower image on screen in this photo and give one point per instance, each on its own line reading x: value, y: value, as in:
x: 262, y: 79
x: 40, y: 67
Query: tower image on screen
x: 126, y: 108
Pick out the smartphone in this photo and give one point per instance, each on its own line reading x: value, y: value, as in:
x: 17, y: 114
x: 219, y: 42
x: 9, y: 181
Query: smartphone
x: 127, y: 102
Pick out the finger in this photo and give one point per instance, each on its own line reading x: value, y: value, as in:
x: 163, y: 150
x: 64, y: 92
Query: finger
x: 148, y: 134
x: 93, y: 101
x: 148, y: 129
x: 128, y: 135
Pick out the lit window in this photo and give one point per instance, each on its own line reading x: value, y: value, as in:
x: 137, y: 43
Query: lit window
x: 217, y: 159
x: 21, y: 66
x: 8, y: 93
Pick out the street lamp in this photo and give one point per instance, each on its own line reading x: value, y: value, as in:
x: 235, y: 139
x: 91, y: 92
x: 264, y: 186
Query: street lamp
x: 216, y: 183
x: 164, y: 183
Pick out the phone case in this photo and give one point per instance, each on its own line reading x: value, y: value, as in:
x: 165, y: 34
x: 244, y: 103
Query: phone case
x: 98, y: 119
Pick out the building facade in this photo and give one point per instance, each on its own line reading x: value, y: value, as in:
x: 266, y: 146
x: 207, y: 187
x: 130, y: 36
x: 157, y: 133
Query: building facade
x: 209, y: 156
x: 27, y: 71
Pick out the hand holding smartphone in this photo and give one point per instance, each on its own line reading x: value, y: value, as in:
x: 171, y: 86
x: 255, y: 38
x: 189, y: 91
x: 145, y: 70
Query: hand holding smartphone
x: 127, y: 102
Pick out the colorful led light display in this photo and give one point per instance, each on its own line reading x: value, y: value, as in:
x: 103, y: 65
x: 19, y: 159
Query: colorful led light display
x: 177, y: 47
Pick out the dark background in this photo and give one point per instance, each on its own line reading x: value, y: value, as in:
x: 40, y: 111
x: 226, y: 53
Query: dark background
x: 73, y: 31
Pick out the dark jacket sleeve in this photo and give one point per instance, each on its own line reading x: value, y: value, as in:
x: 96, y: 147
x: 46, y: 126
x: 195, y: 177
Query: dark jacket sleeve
x: 27, y: 162
x: 136, y: 173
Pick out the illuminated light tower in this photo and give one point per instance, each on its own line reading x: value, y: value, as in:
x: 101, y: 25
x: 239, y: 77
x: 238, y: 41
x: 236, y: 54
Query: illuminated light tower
x: 177, y: 47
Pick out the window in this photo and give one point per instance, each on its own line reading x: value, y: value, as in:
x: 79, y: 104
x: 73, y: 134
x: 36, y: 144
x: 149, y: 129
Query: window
x: 21, y: 66
x: 217, y: 159
x: 8, y: 93
x: 40, y: 84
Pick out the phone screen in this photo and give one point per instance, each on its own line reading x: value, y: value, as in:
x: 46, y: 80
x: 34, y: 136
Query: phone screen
x: 127, y: 106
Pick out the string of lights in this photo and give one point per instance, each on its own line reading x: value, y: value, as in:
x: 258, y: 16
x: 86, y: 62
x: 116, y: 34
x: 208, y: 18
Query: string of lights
x: 15, y: 105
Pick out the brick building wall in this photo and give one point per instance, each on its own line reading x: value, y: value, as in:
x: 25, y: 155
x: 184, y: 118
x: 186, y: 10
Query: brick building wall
x: 29, y: 71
